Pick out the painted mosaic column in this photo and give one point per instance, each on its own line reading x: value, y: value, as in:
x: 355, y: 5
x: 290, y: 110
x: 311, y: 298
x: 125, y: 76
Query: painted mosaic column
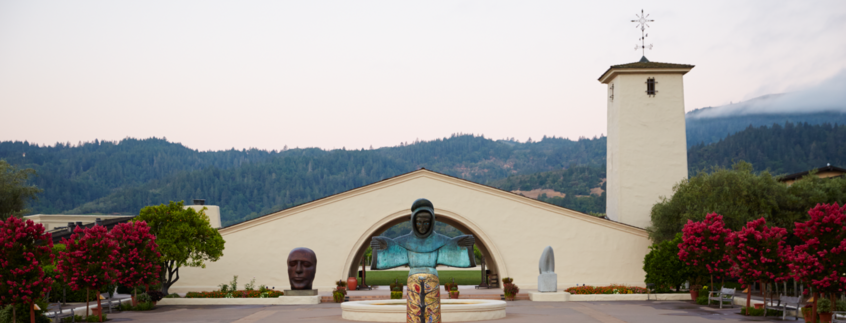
x: 424, y: 299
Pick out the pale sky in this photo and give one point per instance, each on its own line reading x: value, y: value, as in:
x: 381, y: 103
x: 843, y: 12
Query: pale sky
x: 215, y: 75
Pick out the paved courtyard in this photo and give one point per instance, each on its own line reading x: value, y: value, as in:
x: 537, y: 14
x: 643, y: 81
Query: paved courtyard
x: 519, y: 311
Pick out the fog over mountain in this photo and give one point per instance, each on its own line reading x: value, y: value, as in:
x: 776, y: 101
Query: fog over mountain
x: 820, y: 104
x: 827, y: 96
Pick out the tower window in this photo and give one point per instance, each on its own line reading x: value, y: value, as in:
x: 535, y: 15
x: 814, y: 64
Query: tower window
x: 650, y: 86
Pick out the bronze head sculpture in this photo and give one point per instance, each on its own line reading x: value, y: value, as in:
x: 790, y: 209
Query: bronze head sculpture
x: 302, y: 265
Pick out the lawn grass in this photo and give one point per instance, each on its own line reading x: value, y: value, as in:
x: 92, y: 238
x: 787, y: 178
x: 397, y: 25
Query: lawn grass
x: 386, y: 277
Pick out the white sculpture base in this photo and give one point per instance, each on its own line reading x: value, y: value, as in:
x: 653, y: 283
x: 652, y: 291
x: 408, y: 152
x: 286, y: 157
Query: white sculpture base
x: 299, y: 300
x: 548, y: 283
x: 549, y: 297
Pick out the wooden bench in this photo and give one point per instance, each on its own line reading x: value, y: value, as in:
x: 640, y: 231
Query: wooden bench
x: 789, y: 300
x: 725, y: 294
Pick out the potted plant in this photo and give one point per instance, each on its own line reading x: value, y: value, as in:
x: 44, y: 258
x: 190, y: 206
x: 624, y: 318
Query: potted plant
x: 396, y: 285
x: 511, y: 292
x: 449, y: 286
x: 694, y: 292
x: 342, y: 285
x: 806, y: 313
x: 453, y: 292
x: 396, y: 292
x: 338, y: 295
x: 824, y: 309
x: 155, y: 296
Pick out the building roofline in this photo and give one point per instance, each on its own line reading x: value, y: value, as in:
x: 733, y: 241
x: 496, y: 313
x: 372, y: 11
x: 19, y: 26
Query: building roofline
x: 799, y: 175
x: 362, y: 189
x: 644, y: 67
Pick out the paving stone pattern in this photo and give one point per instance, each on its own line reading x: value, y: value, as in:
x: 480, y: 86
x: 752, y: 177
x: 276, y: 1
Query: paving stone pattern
x: 518, y: 311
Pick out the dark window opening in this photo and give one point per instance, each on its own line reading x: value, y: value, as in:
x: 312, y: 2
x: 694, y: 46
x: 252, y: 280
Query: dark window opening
x: 650, y: 86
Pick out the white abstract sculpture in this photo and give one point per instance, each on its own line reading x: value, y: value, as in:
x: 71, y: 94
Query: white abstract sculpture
x: 547, y: 280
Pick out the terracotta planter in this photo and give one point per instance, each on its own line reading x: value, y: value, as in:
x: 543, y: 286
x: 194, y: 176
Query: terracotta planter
x: 509, y: 298
x: 352, y: 282
x: 825, y: 317
x: 95, y: 311
x: 453, y: 294
x: 759, y: 306
x: 134, y: 301
x: 806, y: 314
x: 694, y: 294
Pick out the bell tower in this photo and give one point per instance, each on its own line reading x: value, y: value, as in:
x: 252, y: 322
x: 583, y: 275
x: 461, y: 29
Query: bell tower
x: 647, y: 146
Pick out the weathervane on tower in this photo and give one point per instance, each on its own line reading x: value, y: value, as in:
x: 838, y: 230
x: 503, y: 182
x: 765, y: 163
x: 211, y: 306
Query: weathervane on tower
x: 642, y: 24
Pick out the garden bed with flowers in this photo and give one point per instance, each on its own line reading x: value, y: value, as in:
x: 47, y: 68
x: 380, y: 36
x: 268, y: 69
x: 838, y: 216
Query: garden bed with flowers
x: 235, y: 294
x: 612, y: 289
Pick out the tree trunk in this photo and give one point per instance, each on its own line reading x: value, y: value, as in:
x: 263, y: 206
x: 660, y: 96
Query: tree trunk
x: 87, y: 297
x: 14, y: 316
x: 167, y: 276
x: 363, y: 274
x: 32, y: 312
x: 814, y: 310
x: 764, y: 294
x: 748, y: 299
x: 712, y: 283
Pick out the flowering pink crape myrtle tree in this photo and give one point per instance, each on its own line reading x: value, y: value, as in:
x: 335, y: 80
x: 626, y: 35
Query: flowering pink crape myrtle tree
x: 703, y: 246
x: 756, y: 252
x: 88, y: 261
x: 820, y: 260
x: 138, y: 260
x: 24, y: 248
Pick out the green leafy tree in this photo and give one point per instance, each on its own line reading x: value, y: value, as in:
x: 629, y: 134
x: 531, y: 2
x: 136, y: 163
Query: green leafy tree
x: 742, y: 196
x: 14, y: 191
x: 663, y: 267
x: 738, y: 194
x: 184, y: 237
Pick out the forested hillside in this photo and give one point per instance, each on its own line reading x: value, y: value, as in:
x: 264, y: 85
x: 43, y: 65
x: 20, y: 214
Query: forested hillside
x: 583, y: 187
x: 782, y: 149
x: 121, y: 177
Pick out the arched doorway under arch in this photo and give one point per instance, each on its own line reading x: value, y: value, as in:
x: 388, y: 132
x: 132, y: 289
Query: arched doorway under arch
x: 482, y: 242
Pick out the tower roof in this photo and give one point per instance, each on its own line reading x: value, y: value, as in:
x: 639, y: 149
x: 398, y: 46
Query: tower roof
x: 642, y: 66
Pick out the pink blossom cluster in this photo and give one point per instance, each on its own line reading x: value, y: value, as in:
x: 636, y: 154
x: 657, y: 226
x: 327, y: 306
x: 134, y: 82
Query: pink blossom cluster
x: 24, y: 248
x: 138, y: 260
x: 819, y: 261
x: 757, y: 253
x: 703, y: 244
x: 88, y: 261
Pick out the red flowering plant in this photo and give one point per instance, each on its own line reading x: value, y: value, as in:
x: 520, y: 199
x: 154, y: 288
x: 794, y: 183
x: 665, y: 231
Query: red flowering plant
x: 819, y: 260
x: 88, y: 260
x: 703, y: 246
x: 756, y: 252
x: 137, y: 261
x: 24, y: 248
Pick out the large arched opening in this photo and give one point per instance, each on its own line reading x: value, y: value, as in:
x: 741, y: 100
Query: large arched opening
x: 493, y: 260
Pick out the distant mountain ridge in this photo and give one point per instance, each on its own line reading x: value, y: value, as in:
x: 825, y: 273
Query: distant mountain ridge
x: 121, y: 177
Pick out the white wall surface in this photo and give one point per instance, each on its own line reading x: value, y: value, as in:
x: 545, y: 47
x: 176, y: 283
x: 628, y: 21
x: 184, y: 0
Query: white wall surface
x: 516, y: 229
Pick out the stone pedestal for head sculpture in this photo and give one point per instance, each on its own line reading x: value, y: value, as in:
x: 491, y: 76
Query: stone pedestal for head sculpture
x: 547, y: 280
x: 422, y: 250
x: 302, y: 265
